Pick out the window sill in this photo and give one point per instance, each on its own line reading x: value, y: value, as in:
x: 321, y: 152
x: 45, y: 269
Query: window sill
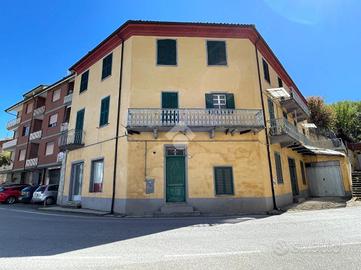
x: 224, y: 195
x: 82, y: 92
x: 103, y: 126
x: 108, y: 76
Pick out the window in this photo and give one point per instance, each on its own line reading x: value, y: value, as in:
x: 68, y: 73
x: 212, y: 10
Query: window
x: 271, y: 109
x: 223, y: 178
x: 280, y: 82
x: 22, y: 154
x: 278, y: 168
x: 49, y: 148
x: 167, y: 52
x: 29, y: 107
x: 53, y: 119
x: 26, y: 131
x: 169, y: 100
x: 220, y: 101
x: 104, y: 111
x: 107, y: 66
x: 216, y: 51
x: 97, y: 174
x: 84, y: 81
x: 266, y: 71
x: 56, y: 95
x: 303, y: 172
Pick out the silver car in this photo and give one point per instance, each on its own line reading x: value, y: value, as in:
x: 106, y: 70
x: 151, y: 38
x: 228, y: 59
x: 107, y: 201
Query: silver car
x: 46, y: 194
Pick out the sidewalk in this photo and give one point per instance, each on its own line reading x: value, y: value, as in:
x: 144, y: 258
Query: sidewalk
x: 73, y: 210
x: 318, y: 204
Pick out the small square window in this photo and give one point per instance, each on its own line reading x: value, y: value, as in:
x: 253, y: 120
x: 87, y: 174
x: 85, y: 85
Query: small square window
x: 56, y: 95
x: 223, y: 178
x: 49, y: 148
x: 216, y: 51
x: 107, y: 66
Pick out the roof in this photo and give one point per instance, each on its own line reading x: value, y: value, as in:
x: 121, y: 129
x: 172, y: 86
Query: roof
x: 323, y: 151
x: 189, y: 29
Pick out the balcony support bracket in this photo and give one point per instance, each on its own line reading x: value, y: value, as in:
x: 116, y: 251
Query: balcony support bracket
x: 155, y: 133
x: 211, y: 133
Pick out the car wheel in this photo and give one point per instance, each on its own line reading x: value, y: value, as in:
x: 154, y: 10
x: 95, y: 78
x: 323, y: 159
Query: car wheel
x: 11, y: 200
x: 49, y: 201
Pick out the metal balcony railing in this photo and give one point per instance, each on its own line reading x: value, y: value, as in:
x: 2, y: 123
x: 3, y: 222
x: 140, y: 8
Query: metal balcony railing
x: 300, y: 101
x: 13, y: 123
x: 295, y: 104
x: 68, y: 98
x: 71, y: 139
x: 197, y: 118
x: 64, y: 127
x: 35, y: 135
x: 10, y: 144
x: 39, y: 111
x: 33, y: 162
x: 6, y: 167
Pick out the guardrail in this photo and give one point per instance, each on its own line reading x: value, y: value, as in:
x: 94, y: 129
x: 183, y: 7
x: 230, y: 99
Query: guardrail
x: 10, y: 144
x: 68, y: 98
x: 35, y: 135
x: 39, y: 111
x: 33, y: 162
x: 71, y: 139
x: 13, y: 123
x: 300, y: 101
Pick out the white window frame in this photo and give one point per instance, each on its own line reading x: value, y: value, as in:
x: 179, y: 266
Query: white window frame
x: 22, y: 154
x: 93, y: 179
x: 219, y: 101
x: 49, y: 148
x: 56, y: 95
x: 52, y: 122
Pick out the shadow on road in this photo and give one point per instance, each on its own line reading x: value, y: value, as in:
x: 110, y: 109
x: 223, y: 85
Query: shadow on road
x: 30, y: 233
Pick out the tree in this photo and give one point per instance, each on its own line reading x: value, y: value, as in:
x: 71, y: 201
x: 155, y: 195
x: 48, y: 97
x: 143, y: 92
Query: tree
x: 321, y: 115
x: 4, y: 160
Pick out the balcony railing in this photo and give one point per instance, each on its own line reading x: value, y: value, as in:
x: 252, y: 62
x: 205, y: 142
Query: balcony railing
x: 71, y: 139
x: 35, y: 135
x: 204, y: 119
x: 10, y: 144
x: 283, y: 132
x: 296, y: 104
x: 68, y: 98
x: 64, y: 127
x: 33, y: 162
x: 39, y: 111
x: 13, y: 123
x: 6, y: 167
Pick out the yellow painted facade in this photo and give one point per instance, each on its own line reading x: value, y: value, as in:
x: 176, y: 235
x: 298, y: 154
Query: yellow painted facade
x: 142, y: 156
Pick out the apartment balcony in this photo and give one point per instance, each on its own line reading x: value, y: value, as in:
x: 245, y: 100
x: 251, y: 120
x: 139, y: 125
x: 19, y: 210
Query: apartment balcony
x: 295, y: 104
x: 64, y: 127
x: 6, y: 168
x: 228, y: 120
x: 13, y: 124
x: 68, y: 99
x: 35, y: 136
x: 39, y: 112
x: 10, y: 144
x: 33, y: 162
x: 71, y: 139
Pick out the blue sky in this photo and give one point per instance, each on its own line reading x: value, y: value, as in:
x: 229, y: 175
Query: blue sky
x: 318, y: 42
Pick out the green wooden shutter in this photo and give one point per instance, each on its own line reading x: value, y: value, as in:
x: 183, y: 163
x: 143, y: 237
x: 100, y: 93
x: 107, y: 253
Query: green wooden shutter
x: 230, y: 101
x: 279, y: 168
x: 209, y: 101
x: 271, y: 109
x: 223, y: 179
x: 266, y: 71
x: 104, y: 111
x: 169, y: 100
x: 84, y: 81
x: 107, y: 66
x: 80, y: 120
x: 216, y: 51
x: 166, y: 52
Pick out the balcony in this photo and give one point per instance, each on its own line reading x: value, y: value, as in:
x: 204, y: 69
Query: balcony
x: 35, y: 135
x: 71, y: 139
x: 68, y: 99
x: 64, y: 127
x: 33, y: 162
x: 286, y: 134
x: 229, y: 120
x: 10, y: 144
x: 39, y: 112
x: 6, y: 168
x: 295, y: 104
x: 12, y: 124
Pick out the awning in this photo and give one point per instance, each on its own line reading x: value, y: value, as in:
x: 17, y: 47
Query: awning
x: 311, y: 150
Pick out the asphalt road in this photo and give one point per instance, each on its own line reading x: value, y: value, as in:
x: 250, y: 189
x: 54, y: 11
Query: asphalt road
x: 323, y: 239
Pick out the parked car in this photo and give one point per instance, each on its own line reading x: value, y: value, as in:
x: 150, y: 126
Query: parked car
x: 10, y: 193
x: 46, y: 194
x: 27, y: 194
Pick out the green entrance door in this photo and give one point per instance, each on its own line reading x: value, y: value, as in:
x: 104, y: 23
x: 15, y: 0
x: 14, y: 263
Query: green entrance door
x: 293, y: 174
x: 175, y: 175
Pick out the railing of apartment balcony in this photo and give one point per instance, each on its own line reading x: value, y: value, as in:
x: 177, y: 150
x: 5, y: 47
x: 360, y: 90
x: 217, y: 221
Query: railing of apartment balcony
x: 10, y: 144
x: 206, y: 118
x: 13, y: 123
x: 71, y: 139
x: 33, y: 162
x: 6, y: 167
x: 64, y: 127
x: 39, y: 111
x: 68, y: 98
x: 35, y: 135
x: 300, y: 101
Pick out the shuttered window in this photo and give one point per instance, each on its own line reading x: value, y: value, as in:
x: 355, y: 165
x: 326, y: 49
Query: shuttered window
x: 84, y: 81
x: 223, y: 180
x: 216, y: 51
x: 278, y: 168
x: 169, y: 100
x: 104, y: 111
x: 220, y: 101
x: 303, y: 172
x: 266, y: 71
x: 107, y: 66
x: 167, y: 52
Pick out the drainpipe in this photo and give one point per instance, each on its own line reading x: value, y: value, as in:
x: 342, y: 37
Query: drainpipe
x: 266, y: 129
x: 117, y: 129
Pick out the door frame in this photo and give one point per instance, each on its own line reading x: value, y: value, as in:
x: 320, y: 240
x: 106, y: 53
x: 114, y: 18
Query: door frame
x: 71, y: 182
x: 185, y: 147
x: 295, y: 168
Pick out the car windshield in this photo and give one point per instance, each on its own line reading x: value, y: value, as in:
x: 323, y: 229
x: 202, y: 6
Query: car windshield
x: 27, y: 189
x: 41, y: 189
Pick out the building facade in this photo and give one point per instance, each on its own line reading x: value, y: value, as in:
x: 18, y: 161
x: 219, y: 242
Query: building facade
x: 42, y: 116
x: 191, y: 117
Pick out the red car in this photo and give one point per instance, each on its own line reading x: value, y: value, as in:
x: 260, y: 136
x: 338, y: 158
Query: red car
x: 10, y: 194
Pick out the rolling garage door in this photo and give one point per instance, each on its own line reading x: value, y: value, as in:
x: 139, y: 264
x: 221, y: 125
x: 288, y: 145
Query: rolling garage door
x: 325, y: 179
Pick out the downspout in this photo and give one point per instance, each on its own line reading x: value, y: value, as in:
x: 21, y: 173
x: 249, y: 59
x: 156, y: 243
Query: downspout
x: 266, y: 129
x: 117, y: 128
